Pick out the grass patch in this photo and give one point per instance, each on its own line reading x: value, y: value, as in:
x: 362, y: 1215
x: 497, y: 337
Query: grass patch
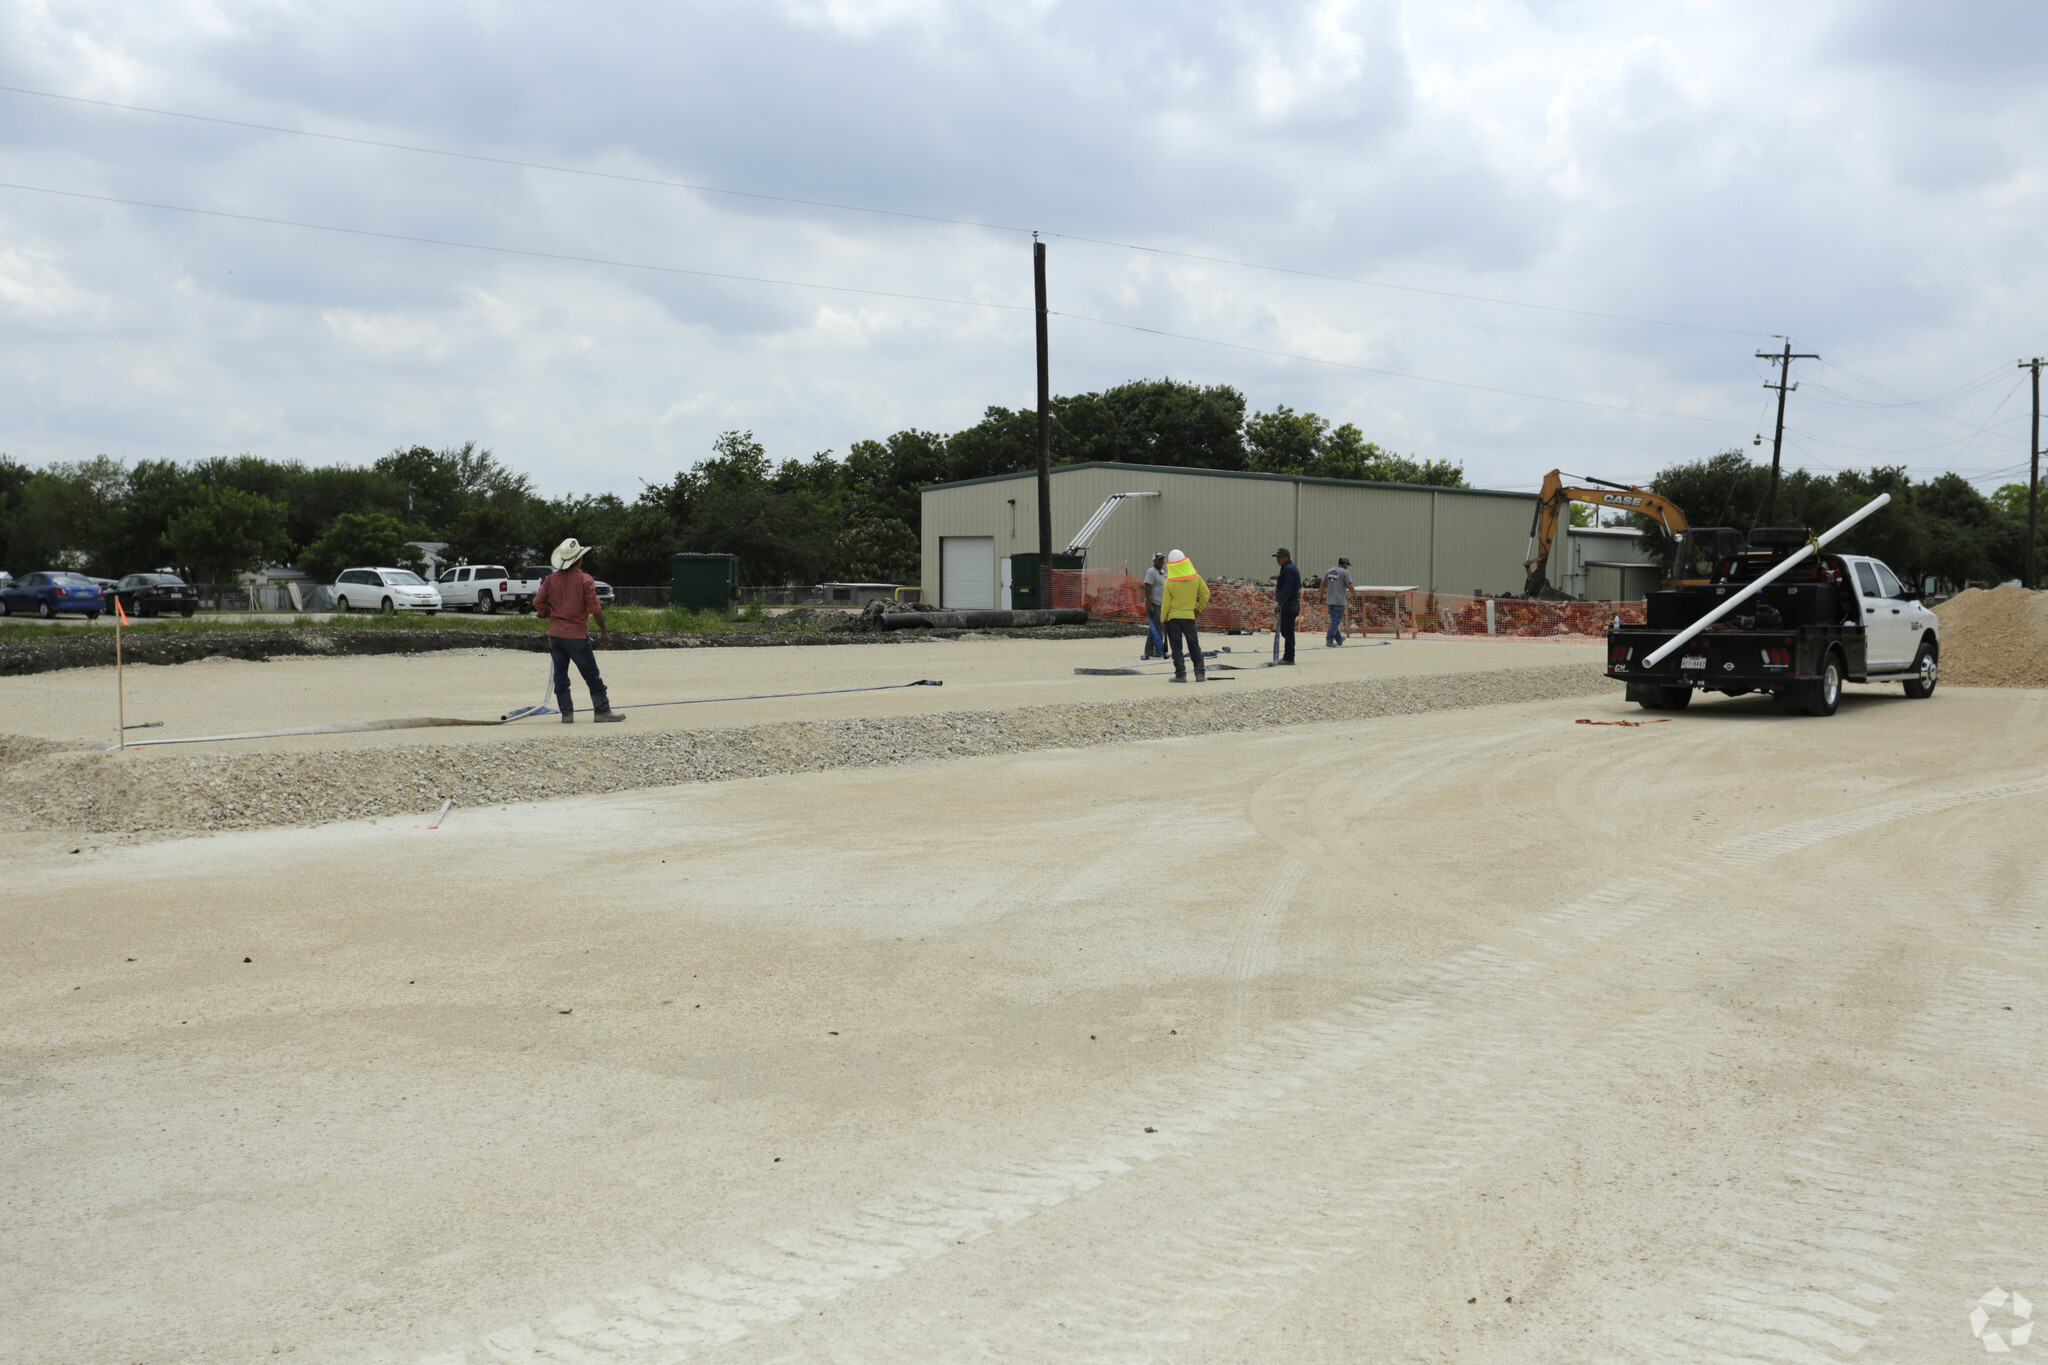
x: 626, y: 620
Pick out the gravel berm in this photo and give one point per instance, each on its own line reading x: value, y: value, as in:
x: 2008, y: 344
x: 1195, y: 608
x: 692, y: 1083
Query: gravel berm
x: 95, y: 648
x: 92, y: 791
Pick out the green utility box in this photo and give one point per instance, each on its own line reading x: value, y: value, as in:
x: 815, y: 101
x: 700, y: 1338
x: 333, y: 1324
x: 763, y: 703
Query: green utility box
x: 704, y: 582
x: 1024, y: 578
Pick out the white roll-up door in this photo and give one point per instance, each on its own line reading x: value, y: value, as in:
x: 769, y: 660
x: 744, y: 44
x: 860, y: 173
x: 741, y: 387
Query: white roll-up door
x: 967, y: 573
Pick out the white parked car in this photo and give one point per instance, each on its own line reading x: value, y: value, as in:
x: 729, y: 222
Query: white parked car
x: 384, y: 590
x: 479, y: 587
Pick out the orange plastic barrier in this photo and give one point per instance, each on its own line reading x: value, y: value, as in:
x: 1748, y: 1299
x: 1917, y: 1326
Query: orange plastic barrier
x: 1114, y: 595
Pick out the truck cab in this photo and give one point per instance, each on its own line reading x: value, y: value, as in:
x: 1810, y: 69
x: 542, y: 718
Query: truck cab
x: 1895, y: 624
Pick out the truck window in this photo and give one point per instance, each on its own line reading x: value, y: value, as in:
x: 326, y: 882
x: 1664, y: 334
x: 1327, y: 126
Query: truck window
x: 1866, y: 579
x: 1887, y: 582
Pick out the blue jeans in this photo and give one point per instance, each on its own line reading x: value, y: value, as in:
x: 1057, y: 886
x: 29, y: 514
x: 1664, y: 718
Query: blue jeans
x: 1180, y: 633
x: 1335, y: 634
x: 1288, y: 614
x: 586, y: 663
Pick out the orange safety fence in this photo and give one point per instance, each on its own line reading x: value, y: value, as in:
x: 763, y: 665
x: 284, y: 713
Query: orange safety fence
x: 1114, y: 595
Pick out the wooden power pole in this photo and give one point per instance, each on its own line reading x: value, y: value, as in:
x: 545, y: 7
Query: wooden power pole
x: 1044, y: 433
x: 2034, y: 480
x: 1783, y: 386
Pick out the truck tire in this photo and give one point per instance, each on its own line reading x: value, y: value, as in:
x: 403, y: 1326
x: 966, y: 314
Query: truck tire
x: 1649, y: 696
x: 487, y: 604
x: 1927, y: 665
x: 1676, y: 698
x: 1824, y: 693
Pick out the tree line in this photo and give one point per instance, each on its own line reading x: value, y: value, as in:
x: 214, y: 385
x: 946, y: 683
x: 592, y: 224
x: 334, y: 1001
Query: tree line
x: 1940, y: 528
x: 824, y: 518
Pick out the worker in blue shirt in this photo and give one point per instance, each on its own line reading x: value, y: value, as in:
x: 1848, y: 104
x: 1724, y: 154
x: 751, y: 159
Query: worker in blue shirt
x: 1287, y: 600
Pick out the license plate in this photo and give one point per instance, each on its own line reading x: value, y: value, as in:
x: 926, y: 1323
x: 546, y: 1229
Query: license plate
x: 1692, y: 661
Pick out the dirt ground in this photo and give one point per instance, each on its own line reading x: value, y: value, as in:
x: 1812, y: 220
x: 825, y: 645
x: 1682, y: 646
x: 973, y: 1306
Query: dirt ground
x: 1477, y: 1035
x: 227, y: 695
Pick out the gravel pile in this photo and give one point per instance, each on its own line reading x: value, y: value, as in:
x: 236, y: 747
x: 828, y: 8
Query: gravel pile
x: 86, y: 790
x: 1997, y: 638
x: 95, y: 648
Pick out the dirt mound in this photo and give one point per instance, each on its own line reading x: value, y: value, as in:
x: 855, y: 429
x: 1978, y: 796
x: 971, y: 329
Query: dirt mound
x: 1997, y: 638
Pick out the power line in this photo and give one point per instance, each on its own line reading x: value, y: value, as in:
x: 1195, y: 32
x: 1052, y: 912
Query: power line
x: 515, y: 251
x: 841, y: 289
x: 514, y: 162
x: 1412, y: 289
x: 859, y: 208
x: 1400, y: 374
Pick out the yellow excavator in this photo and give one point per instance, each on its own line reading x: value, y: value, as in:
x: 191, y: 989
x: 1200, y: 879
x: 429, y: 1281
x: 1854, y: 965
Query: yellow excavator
x: 1696, y: 549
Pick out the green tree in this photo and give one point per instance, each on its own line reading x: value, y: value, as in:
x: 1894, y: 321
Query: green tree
x: 226, y: 532
x: 1284, y: 441
x: 356, y: 539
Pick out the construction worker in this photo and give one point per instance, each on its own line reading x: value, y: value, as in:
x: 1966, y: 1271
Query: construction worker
x: 1286, y: 601
x: 1155, y: 584
x: 1336, y: 594
x: 566, y: 601
x: 1185, y: 594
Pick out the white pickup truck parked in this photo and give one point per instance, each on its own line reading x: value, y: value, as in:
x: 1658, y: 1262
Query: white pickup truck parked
x: 481, y: 587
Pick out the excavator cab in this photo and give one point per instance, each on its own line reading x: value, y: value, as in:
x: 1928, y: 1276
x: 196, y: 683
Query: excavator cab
x: 1699, y: 550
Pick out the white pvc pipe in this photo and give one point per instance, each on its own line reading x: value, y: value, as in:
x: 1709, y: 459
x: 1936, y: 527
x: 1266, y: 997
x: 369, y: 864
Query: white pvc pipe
x: 1662, y: 651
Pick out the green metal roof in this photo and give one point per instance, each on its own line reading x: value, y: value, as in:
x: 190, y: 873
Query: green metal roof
x: 1225, y: 474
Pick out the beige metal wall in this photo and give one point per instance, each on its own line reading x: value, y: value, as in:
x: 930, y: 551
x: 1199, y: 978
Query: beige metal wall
x: 1449, y: 540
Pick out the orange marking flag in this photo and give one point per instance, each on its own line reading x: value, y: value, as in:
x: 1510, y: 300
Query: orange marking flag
x: 120, y: 615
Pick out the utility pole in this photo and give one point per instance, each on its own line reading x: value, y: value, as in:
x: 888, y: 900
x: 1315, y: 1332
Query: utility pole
x: 2034, y: 480
x: 1044, y: 433
x: 1783, y: 386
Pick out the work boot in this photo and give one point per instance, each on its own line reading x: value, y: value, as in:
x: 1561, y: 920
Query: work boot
x: 603, y: 716
x: 1180, y: 677
x: 568, y: 718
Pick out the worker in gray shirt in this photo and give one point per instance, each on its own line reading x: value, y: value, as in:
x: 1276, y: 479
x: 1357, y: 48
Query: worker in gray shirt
x: 1337, y: 594
x: 1155, y: 585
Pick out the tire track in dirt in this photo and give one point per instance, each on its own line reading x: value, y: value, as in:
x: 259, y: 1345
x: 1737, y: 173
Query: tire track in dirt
x: 753, y: 1287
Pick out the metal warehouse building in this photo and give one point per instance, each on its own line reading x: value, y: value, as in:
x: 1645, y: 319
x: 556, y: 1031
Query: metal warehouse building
x: 1450, y: 540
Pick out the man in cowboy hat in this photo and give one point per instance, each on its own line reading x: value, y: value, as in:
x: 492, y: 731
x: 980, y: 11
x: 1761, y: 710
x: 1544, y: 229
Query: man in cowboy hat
x: 567, y: 600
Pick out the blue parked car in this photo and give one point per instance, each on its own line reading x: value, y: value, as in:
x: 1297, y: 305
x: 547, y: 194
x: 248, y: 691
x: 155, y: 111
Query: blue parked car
x: 53, y: 591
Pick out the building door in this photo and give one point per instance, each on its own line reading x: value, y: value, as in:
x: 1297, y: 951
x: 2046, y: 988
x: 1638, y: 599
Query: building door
x: 967, y: 573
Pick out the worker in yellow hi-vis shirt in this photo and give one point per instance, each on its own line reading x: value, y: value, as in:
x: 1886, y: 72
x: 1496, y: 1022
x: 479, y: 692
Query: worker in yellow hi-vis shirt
x: 1185, y: 595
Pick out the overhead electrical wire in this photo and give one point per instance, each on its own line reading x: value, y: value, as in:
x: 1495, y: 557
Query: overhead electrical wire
x: 1401, y: 374
x: 513, y: 161
x: 838, y: 288
x: 1410, y: 288
x: 865, y: 208
x: 514, y: 250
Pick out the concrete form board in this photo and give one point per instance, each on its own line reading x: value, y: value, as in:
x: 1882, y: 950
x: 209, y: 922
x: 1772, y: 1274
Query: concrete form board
x: 1450, y: 540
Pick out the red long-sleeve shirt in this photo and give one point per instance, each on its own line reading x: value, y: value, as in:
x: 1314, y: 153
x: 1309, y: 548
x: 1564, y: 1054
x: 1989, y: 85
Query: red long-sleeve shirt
x: 568, y: 598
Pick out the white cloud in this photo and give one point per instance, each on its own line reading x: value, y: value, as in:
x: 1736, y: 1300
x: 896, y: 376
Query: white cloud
x: 1852, y: 174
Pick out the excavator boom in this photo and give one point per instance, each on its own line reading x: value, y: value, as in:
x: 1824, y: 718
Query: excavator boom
x: 1557, y: 496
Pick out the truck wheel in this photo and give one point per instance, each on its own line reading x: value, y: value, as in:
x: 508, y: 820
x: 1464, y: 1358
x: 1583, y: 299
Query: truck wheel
x: 1649, y: 696
x: 1928, y: 669
x: 1824, y: 693
x: 1676, y: 698
x: 487, y: 604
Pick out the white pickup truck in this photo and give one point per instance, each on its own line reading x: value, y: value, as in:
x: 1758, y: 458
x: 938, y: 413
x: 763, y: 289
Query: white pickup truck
x: 1835, y: 619
x: 482, y: 587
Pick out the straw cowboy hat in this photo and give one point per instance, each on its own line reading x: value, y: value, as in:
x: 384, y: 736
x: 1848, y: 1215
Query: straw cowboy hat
x: 567, y: 553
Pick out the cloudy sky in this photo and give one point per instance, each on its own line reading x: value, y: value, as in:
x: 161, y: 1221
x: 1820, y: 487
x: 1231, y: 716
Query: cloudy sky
x: 1564, y: 228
